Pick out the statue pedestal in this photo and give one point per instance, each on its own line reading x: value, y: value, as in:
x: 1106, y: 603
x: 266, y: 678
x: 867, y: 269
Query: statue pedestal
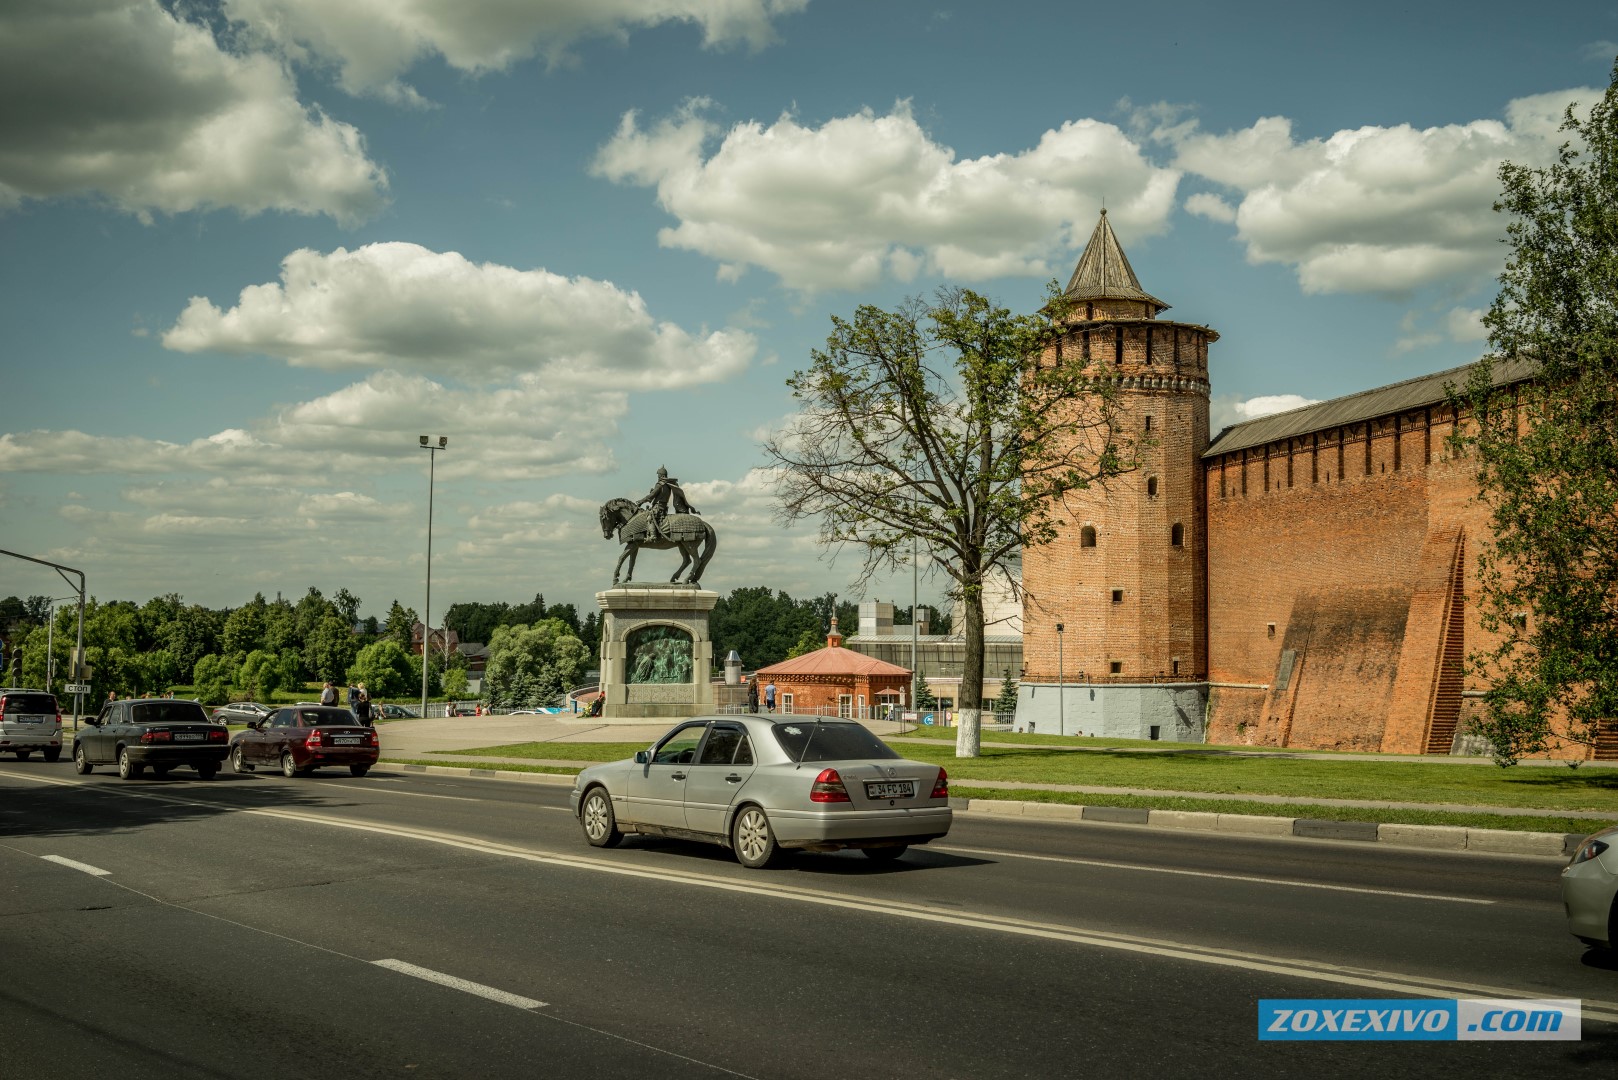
x: 644, y: 632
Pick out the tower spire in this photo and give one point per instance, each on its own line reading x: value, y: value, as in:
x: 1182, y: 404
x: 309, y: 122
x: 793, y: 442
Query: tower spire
x: 1104, y: 273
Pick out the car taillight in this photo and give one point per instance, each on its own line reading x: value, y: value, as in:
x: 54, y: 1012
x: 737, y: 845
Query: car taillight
x: 941, y: 785
x: 372, y: 740
x: 314, y: 738
x: 828, y: 787
x: 216, y: 736
x: 156, y: 736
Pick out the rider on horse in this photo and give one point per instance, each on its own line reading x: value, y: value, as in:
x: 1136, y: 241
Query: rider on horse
x: 659, y: 497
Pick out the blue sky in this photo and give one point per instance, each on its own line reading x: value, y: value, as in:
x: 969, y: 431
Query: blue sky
x: 249, y: 250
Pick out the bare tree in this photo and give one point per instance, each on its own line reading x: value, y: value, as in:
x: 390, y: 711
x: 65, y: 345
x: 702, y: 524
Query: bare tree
x: 956, y: 423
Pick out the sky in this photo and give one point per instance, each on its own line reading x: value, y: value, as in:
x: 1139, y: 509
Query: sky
x: 250, y: 250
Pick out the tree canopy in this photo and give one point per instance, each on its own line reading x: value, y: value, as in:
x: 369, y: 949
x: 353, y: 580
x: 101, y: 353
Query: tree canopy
x: 1547, y: 450
x: 954, y: 423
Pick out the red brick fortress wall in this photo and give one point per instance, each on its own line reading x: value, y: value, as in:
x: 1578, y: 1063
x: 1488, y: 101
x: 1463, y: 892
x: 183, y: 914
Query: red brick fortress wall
x: 1341, y: 587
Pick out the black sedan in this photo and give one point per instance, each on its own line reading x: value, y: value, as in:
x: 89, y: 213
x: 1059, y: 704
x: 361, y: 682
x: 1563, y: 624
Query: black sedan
x: 393, y: 712
x: 161, y: 733
x: 303, y: 738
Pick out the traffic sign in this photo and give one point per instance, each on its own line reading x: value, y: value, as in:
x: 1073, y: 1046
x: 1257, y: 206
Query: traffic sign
x: 77, y: 688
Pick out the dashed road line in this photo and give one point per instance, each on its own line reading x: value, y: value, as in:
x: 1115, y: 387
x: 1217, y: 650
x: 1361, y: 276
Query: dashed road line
x: 467, y: 985
x: 74, y: 864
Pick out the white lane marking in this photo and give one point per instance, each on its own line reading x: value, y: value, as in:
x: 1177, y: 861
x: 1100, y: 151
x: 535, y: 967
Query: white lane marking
x: 515, y: 1000
x: 412, y: 794
x: 1210, y: 874
x: 1370, y: 978
x: 94, y: 871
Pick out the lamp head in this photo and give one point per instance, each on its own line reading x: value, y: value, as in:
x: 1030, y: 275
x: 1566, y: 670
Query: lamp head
x: 1058, y: 628
x: 424, y: 440
x: 443, y: 441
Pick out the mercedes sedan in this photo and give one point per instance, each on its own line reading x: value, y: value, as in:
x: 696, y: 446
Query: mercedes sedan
x: 1590, y: 890
x: 762, y: 784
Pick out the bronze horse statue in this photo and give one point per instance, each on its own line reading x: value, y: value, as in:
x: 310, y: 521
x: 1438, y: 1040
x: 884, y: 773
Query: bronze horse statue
x: 689, y: 532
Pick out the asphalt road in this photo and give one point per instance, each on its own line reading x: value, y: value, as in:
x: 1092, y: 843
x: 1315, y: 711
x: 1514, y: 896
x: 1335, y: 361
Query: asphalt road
x: 259, y: 926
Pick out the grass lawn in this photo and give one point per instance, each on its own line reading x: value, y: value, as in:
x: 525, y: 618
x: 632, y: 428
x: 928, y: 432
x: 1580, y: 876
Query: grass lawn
x: 1579, y: 791
x: 1594, y: 790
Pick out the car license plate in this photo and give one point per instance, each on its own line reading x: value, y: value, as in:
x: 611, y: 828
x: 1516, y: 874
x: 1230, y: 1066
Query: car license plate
x: 31, y: 719
x: 890, y: 789
x: 189, y: 736
x: 346, y: 740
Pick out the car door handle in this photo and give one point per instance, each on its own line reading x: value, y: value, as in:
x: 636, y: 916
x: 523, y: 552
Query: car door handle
x: 733, y: 779
x: 677, y: 776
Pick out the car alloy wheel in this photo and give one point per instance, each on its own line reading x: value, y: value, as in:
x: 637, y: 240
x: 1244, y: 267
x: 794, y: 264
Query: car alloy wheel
x: 600, y: 823
x: 81, y: 764
x: 238, y: 760
x: 752, y: 839
x: 127, y: 769
x: 289, y: 768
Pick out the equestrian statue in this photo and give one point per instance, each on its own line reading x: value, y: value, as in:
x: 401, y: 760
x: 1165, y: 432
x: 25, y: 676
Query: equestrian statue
x: 651, y: 523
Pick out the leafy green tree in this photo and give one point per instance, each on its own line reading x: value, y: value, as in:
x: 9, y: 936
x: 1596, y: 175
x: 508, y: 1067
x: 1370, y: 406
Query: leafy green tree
x: 386, y: 671
x: 156, y: 671
x: 1007, y: 701
x: 807, y: 643
x: 330, y: 648
x: 213, y: 678
x: 244, y: 629
x: 954, y: 423
x: 456, y: 684
x: 192, y: 634
x: 1547, y: 450
x: 154, y: 617
x: 530, y: 665
x: 347, y: 605
x: 398, y: 628
x: 281, y: 628
x: 310, y: 612
x: 262, y: 673
x: 435, y: 682
x: 760, y: 625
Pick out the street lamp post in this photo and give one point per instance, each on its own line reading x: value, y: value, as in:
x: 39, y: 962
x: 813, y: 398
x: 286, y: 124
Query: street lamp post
x: 1061, y: 686
x: 50, y: 642
x: 428, y: 444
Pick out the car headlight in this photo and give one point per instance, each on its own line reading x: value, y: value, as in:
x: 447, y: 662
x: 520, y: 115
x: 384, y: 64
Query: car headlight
x: 1587, y: 851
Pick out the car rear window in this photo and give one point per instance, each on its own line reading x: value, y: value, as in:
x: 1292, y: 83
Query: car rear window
x: 168, y: 712
x: 27, y: 703
x: 829, y: 741
x: 325, y: 717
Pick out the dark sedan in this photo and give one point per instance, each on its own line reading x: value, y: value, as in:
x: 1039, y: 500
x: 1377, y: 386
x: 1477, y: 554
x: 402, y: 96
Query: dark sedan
x: 302, y: 738
x: 161, y: 733
x: 393, y: 712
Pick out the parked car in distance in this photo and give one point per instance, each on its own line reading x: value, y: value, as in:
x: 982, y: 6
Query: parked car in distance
x: 1590, y: 890
x: 302, y: 738
x: 162, y: 733
x: 393, y: 712
x: 30, y: 720
x: 240, y: 712
x: 760, y: 784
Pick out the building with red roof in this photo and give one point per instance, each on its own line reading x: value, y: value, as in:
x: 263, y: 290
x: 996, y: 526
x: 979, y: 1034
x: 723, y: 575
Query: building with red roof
x: 835, y: 681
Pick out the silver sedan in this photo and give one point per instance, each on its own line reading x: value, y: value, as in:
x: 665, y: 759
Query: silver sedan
x: 1590, y: 890
x: 759, y: 784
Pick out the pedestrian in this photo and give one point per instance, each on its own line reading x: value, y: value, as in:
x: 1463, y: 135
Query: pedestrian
x: 769, y: 696
x: 112, y: 695
x: 453, y: 710
x: 353, y: 692
x: 752, y: 696
x: 362, y: 705
x: 328, y: 694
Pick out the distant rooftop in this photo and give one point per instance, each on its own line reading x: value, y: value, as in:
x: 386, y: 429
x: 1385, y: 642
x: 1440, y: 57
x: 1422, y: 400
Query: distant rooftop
x: 1366, y: 405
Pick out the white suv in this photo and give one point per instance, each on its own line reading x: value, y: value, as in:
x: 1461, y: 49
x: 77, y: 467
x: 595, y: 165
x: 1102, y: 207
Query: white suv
x: 30, y: 720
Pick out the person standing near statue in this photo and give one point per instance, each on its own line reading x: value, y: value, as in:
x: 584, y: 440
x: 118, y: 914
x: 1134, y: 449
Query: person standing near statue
x: 666, y: 490
x: 752, y: 696
x: 769, y: 696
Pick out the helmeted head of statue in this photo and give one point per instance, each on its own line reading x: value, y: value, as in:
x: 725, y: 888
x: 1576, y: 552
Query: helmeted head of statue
x: 662, y: 473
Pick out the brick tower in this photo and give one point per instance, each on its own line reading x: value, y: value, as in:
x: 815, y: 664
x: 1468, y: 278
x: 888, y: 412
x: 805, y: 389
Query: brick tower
x: 1127, y: 577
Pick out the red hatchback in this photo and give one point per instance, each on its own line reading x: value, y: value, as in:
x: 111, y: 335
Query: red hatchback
x: 303, y: 738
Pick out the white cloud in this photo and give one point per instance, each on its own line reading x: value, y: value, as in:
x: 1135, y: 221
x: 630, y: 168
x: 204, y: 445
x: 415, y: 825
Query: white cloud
x: 1459, y: 324
x: 1212, y: 207
x: 373, y: 42
x: 122, y: 100
x: 1228, y: 409
x: 401, y: 306
x: 866, y: 197
x: 1372, y: 209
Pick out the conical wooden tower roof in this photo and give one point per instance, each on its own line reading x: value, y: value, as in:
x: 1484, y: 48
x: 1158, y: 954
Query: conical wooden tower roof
x: 1104, y: 272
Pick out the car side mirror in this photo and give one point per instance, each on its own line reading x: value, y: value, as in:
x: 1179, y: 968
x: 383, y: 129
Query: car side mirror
x: 255, y: 724
x: 93, y: 721
x: 643, y: 757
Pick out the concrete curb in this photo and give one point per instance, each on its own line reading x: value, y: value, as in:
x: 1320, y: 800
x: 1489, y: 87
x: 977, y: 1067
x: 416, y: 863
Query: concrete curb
x: 565, y: 780
x: 1431, y: 837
